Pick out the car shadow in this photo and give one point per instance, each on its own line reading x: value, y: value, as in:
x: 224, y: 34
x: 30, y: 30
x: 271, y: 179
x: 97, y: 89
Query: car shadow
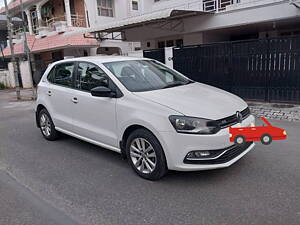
x: 114, y: 158
x: 215, y: 175
x: 96, y: 151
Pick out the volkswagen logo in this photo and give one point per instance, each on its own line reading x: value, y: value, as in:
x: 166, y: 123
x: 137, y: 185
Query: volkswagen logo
x: 239, y: 116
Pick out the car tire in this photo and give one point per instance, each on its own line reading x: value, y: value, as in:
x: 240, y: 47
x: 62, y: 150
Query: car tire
x: 266, y: 139
x: 239, y: 140
x: 145, y: 155
x: 47, y: 126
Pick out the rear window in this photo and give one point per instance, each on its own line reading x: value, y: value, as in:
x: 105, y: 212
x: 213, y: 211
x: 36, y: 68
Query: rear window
x: 62, y: 74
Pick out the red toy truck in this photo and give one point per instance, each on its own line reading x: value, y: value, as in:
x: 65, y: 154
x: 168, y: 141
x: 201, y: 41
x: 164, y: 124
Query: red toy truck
x: 265, y: 134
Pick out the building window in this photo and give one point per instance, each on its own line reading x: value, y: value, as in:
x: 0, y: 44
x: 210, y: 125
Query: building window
x: 105, y: 8
x: 135, y: 5
x: 170, y: 43
x: 161, y: 44
x: 179, y: 43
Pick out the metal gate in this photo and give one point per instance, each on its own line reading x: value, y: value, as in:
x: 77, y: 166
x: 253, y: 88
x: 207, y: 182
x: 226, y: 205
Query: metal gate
x: 157, y: 54
x: 263, y: 69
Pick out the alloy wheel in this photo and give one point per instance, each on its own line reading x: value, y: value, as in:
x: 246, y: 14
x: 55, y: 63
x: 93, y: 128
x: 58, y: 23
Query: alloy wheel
x: 143, y: 155
x: 45, y: 124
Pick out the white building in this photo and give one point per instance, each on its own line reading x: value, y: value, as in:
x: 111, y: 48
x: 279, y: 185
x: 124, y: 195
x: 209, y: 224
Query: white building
x: 248, y: 47
x: 47, y: 21
x: 154, y: 24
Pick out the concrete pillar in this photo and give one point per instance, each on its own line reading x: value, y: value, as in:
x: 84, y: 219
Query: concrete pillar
x: 39, y: 14
x: 29, y: 22
x: 11, y: 76
x: 68, y: 13
x: 39, y: 6
x: 25, y: 74
x: 169, y: 56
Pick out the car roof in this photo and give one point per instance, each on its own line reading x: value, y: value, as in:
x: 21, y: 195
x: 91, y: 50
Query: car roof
x: 101, y: 59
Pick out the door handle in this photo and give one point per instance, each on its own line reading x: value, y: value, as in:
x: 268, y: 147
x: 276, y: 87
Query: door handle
x: 49, y: 93
x: 75, y: 100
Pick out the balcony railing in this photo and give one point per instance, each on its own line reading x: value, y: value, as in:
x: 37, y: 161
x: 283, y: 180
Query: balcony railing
x: 217, y: 5
x: 18, y: 31
x: 222, y: 5
x: 188, y: 5
x: 77, y: 20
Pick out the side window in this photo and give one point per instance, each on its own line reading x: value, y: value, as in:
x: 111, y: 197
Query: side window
x: 63, y: 74
x: 90, y: 76
x: 51, y: 75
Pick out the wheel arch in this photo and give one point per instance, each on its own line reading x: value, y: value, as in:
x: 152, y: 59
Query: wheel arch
x: 132, y: 128
x: 38, y: 109
x: 126, y: 134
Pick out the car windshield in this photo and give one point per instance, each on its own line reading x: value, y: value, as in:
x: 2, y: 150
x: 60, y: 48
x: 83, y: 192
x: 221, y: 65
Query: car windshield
x: 145, y: 75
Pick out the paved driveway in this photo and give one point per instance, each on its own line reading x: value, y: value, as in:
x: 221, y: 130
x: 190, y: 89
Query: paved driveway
x: 73, y: 182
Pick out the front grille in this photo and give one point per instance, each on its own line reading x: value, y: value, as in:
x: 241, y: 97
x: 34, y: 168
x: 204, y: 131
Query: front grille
x: 226, y: 157
x: 232, y: 120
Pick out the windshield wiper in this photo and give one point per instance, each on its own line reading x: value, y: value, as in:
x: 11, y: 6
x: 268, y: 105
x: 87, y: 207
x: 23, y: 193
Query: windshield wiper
x: 177, y: 84
x: 190, y: 82
x: 173, y: 85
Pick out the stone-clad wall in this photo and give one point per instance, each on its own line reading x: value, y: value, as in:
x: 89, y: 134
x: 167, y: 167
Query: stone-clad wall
x: 278, y: 113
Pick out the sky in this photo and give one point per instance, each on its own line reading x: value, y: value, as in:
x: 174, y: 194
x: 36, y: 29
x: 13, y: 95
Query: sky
x: 2, y: 2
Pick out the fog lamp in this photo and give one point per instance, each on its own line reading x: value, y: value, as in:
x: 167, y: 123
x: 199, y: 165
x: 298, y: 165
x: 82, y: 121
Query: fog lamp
x: 200, y: 154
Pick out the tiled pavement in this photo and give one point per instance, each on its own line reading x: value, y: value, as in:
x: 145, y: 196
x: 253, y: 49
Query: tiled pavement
x: 275, y: 111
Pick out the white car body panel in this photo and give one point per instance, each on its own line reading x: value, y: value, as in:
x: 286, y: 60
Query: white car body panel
x: 103, y: 121
x: 89, y: 140
x: 95, y: 118
x: 58, y: 103
x: 197, y: 99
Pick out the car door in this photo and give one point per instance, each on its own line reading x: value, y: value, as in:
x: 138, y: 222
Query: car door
x: 94, y: 117
x: 60, y: 92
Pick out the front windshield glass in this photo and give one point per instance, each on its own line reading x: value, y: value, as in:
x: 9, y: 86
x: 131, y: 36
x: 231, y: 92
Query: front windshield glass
x: 145, y: 75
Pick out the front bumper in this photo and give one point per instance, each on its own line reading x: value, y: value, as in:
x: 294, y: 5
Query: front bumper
x: 177, y: 146
x: 223, y: 155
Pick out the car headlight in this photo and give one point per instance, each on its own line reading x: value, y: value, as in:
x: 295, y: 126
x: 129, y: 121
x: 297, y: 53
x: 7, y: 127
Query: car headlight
x: 193, y: 125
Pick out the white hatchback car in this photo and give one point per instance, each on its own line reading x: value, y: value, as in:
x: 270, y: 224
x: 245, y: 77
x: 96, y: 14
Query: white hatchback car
x: 151, y: 114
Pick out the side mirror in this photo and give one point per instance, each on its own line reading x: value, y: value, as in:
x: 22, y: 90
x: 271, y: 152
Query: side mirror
x: 102, y: 92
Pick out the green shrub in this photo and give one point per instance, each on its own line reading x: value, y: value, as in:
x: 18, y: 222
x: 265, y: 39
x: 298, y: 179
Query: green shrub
x: 2, y: 86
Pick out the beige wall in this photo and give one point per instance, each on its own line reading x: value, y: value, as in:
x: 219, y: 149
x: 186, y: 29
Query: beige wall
x: 4, y: 78
x: 80, y: 10
x: 25, y: 74
x: 58, y: 8
x: 78, y: 6
x: 11, y: 77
